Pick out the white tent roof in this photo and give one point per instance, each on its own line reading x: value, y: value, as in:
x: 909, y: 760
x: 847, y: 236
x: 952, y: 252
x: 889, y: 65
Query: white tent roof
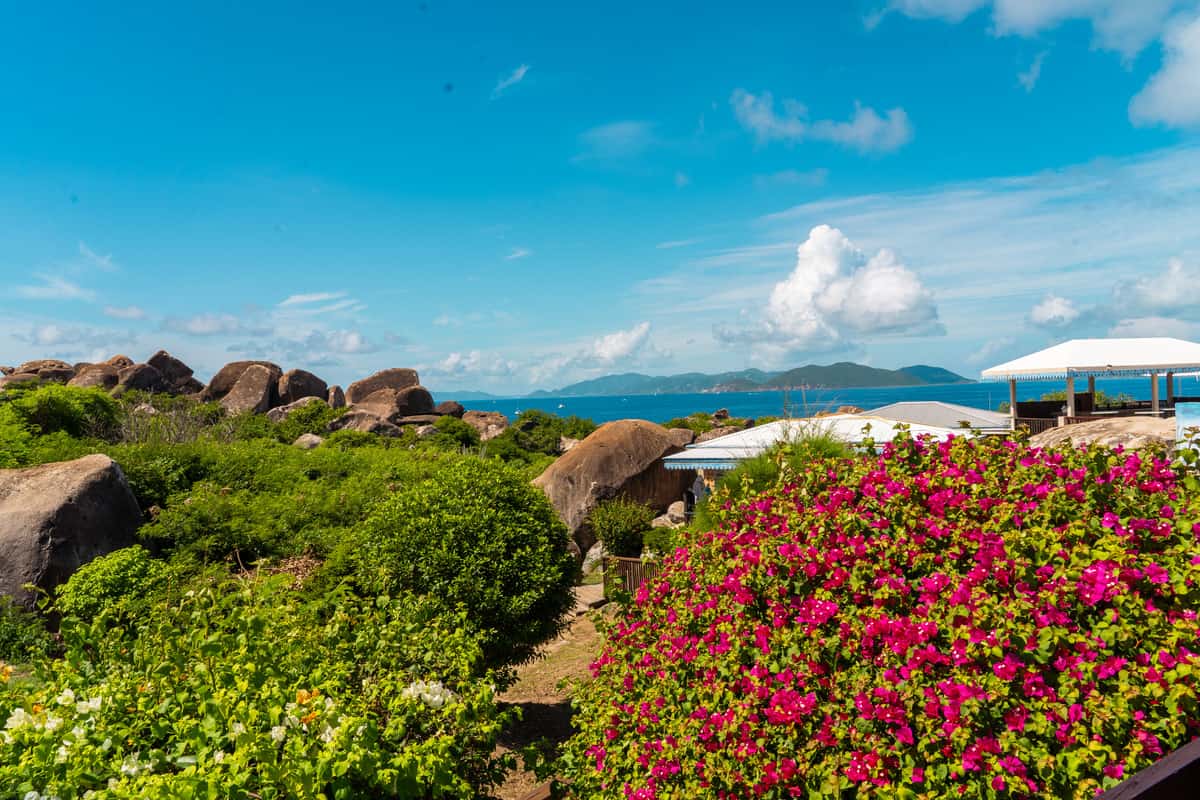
x: 1101, y: 358
x: 943, y: 415
x: 725, y: 452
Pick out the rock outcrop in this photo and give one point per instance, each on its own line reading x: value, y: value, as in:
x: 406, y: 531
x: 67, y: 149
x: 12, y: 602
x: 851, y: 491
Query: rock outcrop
x: 307, y: 441
x: 681, y: 437
x: 619, y: 459
x: 298, y: 383
x: 223, y: 382
x: 395, y: 379
x: 142, y: 378
x: 102, y: 375
x: 253, y: 390
x: 336, y: 398
x: 489, y: 424
x: 57, y: 517
x: 280, y: 413
x: 450, y: 408
x: 176, y: 375
x: 717, y: 433
x: 1129, y: 432
x: 364, y: 421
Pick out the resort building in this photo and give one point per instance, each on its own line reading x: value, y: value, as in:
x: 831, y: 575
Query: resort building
x: 937, y: 414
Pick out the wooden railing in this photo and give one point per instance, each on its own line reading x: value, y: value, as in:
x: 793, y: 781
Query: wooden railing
x: 629, y: 573
x: 1036, y: 424
x: 1175, y: 777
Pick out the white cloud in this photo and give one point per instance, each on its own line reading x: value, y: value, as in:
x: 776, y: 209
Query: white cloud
x: 1054, y: 312
x: 518, y: 252
x: 474, y: 363
x: 95, y: 259
x: 1137, y: 327
x: 337, y: 341
x: 124, y: 312
x: 314, y: 297
x: 55, y: 288
x: 512, y: 79
x: 205, y: 325
x: 1029, y: 78
x: 867, y: 131
x: 1172, y: 96
x: 620, y: 345
x: 989, y: 349
x: 1177, y: 289
x: 616, y: 140
x: 835, y: 294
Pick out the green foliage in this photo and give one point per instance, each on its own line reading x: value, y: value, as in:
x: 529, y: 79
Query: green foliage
x: 23, y: 635
x: 348, y: 439
x: 479, y: 536
x: 157, y: 471
x: 170, y: 420
x: 698, y: 423
x: 453, y: 433
x: 1101, y: 400
x: 536, y: 432
x: 310, y: 418
x: 121, y: 581
x: 77, y: 412
x: 661, y: 541
x: 619, y: 523
x: 246, y: 426
x: 242, y: 689
x: 16, y: 440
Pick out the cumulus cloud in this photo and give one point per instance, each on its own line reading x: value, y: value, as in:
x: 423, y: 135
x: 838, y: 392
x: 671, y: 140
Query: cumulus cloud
x: 345, y: 342
x: 866, y: 131
x: 213, y: 324
x: 990, y: 349
x: 51, y: 287
x: 620, y: 345
x: 125, y: 312
x: 474, y: 363
x: 835, y: 294
x: 1172, y: 96
x: 1054, y: 312
x: 70, y: 341
x: 1173, y: 291
x: 512, y: 79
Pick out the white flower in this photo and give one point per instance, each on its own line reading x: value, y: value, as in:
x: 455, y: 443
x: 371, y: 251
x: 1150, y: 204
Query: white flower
x: 66, y: 698
x: 19, y: 718
x: 327, y: 734
x: 32, y: 796
x: 89, y: 706
x: 60, y: 755
x: 432, y: 694
x: 238, y: 729
x: 52, y: 723
x: 278, y: 733
x: 292, y: 721
x: 219, y: 757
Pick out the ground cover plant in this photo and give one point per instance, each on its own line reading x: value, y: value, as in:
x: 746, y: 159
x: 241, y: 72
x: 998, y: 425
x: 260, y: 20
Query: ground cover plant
x: 972, y: 619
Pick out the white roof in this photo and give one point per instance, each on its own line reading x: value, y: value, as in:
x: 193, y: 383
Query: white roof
x: 1101, y: 358
x: 944, y: 415
x: 726, y: 451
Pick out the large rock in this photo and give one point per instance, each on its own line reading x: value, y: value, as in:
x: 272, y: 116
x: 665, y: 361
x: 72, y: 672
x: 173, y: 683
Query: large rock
x: 253, y: 391
x: 101, y: 375
x: 392, y: 404
x: 307, y: 441
x: 18, y: 378
x: 417, y: 419
x: 1129, y: 432
x: 336, y: 398
x: 34, y: 367
x: 450, y: 408
x: 365, y: 422
x: 57, y: 517
x: 396, y: 379
x: 619, y: 459
x: 120, y: 362
x: 7, y: 370
x: 489, y: 424
x: 175, y: 373
x: 681, y: 437
x: 142, y: 378
x: 56, y: 374
x: 222, y: 383
x: 297, y: 383
x: 280, y: 413
x: 717, y: 433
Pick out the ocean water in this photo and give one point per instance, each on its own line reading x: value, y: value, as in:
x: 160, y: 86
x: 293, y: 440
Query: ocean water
x: 662, y: 407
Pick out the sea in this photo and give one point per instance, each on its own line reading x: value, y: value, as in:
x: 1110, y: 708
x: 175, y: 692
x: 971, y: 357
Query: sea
x: 798, y: 403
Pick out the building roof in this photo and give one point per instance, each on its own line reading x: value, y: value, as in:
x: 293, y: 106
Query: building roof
x: 725, y: 452
x: 1101, y: 358
x: 943, y: 415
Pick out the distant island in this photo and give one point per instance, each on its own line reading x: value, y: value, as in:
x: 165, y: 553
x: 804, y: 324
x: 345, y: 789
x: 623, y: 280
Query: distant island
x: 842, y: 375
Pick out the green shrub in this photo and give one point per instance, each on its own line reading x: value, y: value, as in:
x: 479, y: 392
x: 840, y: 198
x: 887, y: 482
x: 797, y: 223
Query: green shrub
x: 157, y: 471
x: 620, y: 523
x: 536, y: 432
x: 310, y: 418
x: 16, y: 440
x: 661, y: 541
x: 243, y: 689
x: 453, y: 433
x: 476, y: 535
x: 348, y: 439
x: 23, y: 634
x: 244, y: 427
x: 177, y: 419
x: 76, y: 412
x: 120, y: 581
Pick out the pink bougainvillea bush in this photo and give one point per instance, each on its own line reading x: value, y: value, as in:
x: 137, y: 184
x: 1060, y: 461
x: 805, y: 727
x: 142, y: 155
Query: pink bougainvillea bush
x: 973, y: 619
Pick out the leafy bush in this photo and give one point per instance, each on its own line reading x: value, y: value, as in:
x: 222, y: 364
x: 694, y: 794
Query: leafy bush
x: 536, y: 432
x: 241, y: 689
x: 77, y: 412
x: 971, y: 619
x: 157, y: 471
x: 311, y: 418
x: 453, y: 433
x: 23, y: 634
x: 619, y: 523
x: 176, y: 419
x: 661, y: 541
x: 479, y: 536
x: 118, y: 582
x: 16, y: 440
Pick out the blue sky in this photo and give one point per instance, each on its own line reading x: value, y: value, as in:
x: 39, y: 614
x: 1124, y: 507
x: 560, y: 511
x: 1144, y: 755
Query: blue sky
x: 518, y: 196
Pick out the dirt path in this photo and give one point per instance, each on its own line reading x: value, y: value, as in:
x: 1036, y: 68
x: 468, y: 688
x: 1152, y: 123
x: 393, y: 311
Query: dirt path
x: 545, y: 708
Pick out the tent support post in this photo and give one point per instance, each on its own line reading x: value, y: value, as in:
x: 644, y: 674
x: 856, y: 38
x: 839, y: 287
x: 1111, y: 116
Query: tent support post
x: 1092, y: 389
x: 1012, y: 403
x: 1070, y: 397
x: 1170, y: 388
x: 1154, y: 404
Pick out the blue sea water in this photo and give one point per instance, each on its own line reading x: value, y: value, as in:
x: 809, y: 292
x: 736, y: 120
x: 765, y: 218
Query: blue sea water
x: 662, y: 407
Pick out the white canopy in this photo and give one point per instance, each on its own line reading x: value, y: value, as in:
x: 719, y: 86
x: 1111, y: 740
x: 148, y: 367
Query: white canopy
x: 1101, y: 358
